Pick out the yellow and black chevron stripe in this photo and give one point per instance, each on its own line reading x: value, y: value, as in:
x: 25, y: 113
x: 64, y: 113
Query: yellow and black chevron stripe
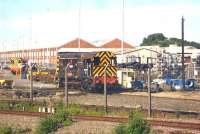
x: 105, y: 58
x: 99, y: 71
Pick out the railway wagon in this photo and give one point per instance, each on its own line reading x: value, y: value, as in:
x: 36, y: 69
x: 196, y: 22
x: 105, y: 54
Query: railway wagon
x: 87, y: 69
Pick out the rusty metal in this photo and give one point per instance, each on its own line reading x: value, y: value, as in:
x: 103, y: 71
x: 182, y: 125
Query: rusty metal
x: 175, y: 124
x: 193, y: 125
x: 24, y: 113
x: 152, y: 122
x: 100, y: 118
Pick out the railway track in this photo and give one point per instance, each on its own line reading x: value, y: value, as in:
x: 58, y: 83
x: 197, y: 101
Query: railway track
x: 162, y: 113
x: 152, y: 121
x: 24, y: 113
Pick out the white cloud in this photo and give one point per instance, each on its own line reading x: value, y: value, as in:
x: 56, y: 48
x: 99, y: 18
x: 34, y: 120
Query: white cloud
x: 56, y: 28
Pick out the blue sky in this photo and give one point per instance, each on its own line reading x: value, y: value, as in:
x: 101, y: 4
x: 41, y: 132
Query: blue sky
x: 10, y: 8
x: 53, y: 22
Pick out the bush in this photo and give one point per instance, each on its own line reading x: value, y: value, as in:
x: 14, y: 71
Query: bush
x: 4, y: 106
x: 61, y: 116
x: 47, y: 125
x: 121, y: 129
x: 6, y: 130
x: 52, y: 123
x: 136, y: 125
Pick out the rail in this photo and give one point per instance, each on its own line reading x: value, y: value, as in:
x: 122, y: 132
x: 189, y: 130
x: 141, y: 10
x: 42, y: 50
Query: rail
x: 180, y: 124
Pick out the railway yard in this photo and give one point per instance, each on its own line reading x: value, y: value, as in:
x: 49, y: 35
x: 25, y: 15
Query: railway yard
x: 85, y: 88
x: 99, y: 67
x: 172, y: 102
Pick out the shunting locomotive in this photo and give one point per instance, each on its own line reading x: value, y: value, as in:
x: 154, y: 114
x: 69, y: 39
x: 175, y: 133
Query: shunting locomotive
x: 87, y: 69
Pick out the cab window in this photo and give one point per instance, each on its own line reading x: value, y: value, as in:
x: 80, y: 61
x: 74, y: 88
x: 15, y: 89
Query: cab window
x: 96, y: 61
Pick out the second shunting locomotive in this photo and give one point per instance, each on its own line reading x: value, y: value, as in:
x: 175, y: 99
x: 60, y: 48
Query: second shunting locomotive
x: 87, y: 69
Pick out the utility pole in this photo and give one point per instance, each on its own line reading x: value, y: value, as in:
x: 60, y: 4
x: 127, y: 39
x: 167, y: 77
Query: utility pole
x: 183, y: 67
x: 105, y: 90
x: 122, y: 42
x: 149, y: 87
x: 31, y: 82
x: 149, y: 91
x: 66, y: 87
x: 79, y: 26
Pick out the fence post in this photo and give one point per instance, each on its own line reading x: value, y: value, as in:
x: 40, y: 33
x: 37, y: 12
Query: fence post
x: 31, y: 83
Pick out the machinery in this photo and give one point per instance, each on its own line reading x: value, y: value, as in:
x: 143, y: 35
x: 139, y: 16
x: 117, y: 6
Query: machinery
x: 17, y: 65
x: 86, y: 69
x: 6, y: 83
x: 42, y: 73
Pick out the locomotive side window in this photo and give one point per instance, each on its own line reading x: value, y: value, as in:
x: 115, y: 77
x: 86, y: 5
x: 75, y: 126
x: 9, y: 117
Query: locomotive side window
x: 96, y: 61
x: 113, y: 61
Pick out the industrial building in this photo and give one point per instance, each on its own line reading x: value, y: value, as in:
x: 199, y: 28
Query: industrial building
x: 49, y: 55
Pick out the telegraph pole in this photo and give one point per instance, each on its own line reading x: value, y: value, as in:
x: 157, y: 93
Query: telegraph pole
x: 66, y: 87
x: 149, y: 88
x: 122, y: 42
x: 31, y: 82
x: 183, y: 67
x: 105, y: 90
x: 79, y: 26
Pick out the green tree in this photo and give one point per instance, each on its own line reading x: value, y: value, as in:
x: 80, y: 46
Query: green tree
x: 162, y: 41
x: 153, y: 39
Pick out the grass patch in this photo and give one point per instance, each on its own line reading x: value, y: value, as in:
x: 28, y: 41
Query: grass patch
x: 136, y: 125
x: 6, y: 129
x: 52, y: 123
x: 4, y: 105
x: 20, y: 106
x: 75, y: 109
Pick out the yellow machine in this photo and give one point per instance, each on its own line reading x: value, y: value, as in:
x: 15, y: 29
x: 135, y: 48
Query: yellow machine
x: 42, y: 73
x: 16, y: 64
x: 6, y: 83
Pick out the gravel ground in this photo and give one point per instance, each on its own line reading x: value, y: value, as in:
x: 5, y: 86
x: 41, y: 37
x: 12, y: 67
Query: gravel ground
x: 100, y: 127
x: 81, y: 127
x: 191, y: 95
x: 166, y: 130
x: 19, y: 121
x: 132, y: 101
x: 88, y: 127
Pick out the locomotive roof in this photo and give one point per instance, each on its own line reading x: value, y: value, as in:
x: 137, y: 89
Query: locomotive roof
x: 76, y: 54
